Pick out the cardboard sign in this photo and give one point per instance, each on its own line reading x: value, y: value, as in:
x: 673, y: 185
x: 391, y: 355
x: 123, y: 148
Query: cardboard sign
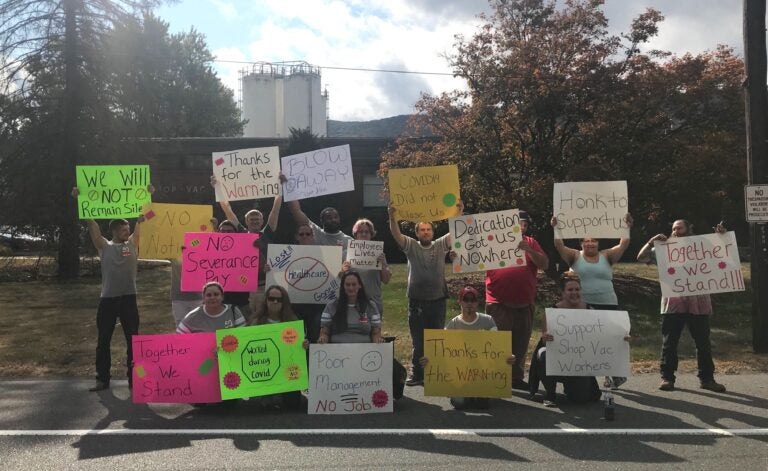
x: 487, y: 241
x: 425, y: 193
x: 175, y: 368
x: 364, y: 254
x: 591, y: 209
x: 467, y: 363
x: 318, y: 172
x: 247, y: 174
x: 350, y: 378
x: 162, y: 233
x: 231, y: 259
x: 588, y: 342
x: 112, y: 191
x: 309, y: 273
x: 702, y: 264
x: 262, y: 359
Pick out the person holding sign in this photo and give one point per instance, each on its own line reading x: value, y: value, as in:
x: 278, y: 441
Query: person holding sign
x: 579, y: 389
x: 426, y: 289
x: 119, y: 260
x: 510, y: 295
x: 677, y: 312
x: 469, y: 319
x: 213, y: 315
x: 594, y: 267
x: 273, y: 308
x: 254, y: 223
x: 353, y: 317
x: 372, y: 279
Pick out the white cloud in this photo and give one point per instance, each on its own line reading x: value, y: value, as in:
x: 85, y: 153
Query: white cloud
x: 228, y: 10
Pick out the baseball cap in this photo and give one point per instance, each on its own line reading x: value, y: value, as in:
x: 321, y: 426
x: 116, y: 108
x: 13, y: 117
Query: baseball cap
x: 468, y: 290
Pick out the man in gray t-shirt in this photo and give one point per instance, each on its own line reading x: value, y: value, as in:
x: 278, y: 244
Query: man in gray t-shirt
x: 119, y: 260
x: 330, y: 232
x: 426, y: 289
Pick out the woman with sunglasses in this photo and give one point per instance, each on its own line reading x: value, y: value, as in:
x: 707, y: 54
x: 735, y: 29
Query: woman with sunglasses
x: 470, y: 319
x: 274, y: 308
x: 353, y: 317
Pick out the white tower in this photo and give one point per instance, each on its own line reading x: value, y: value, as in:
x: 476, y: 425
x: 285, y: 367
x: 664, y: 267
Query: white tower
x: 278, y: 96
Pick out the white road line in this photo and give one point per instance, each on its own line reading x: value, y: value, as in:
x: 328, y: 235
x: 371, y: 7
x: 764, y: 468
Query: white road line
x: 505, y: 432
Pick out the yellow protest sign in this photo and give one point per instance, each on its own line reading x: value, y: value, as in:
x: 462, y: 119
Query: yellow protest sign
x: 424, y: 193
x: 162, y: 233
x: 467, y: 363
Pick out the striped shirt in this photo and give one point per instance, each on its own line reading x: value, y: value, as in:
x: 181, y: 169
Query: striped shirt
x: 200, y: 321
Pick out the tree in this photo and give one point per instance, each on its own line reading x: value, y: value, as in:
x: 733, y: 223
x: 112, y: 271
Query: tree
x: 81, y: 79
x: 552, y: 96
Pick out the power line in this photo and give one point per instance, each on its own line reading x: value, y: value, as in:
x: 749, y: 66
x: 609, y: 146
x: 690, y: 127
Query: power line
x: 356, y: 69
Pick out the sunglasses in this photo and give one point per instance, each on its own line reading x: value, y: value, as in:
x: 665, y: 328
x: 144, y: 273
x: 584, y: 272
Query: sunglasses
x: 274, y: 299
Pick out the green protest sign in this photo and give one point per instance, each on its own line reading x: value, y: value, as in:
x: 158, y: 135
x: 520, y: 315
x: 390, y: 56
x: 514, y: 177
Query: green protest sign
x: 261, y: 360
x: 112, y: 191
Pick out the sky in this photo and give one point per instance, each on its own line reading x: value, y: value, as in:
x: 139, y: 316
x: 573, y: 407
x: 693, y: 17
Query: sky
x: 413, y: 35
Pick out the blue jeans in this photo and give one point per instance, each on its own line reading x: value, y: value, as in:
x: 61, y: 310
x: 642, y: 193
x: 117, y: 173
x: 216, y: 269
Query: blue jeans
x: 423, y: 315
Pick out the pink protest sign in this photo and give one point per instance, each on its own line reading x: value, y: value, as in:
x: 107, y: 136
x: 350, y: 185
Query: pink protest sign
x: 230, y: 259
x: 174, y: 368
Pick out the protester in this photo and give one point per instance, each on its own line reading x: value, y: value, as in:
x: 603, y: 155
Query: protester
x: 213, y: 315
x: 469, y: 319
x: 579, y: 389
x: 352, y: 317
x: 273, y: 308
x: 254, y: 223
x: 119, y: 261
x: 372, y: 279
x: 309, y: 313
x: 330, y: 233
x: 594, y: 267
x: 510, y: 295
x: 678, y: 312
x: 426, y: 288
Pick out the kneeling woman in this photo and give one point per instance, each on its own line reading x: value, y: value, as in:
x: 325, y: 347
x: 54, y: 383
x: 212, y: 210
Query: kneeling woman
x: 274, y: 308
x: 579, y: 389
x: 353, y: 317
x: 213, y: 315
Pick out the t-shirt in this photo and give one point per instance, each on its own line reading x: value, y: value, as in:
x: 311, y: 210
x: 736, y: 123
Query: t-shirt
x: 426, y: 268
x: 482, y: 322
x: 118, y: 268
x: 358, y: 326
x: 198, y: 320
x: 514, y: 285
x: 372, y: 283
x: 324, y: 238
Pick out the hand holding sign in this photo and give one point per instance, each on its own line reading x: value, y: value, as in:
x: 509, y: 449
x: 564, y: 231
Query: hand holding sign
x: 425, y: 193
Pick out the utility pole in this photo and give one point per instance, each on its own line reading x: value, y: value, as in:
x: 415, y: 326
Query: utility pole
x: 756, y: 107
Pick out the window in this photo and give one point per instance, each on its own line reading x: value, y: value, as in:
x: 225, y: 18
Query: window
x: 372, y: 188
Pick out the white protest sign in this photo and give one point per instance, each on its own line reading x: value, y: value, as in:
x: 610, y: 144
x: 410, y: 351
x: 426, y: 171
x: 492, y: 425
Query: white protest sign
x: 247, y: 174
x: 364, y: 254
x: 487, y: 241
x: 318, y: 172
x: 591, y: 209
x: 308, y: 272
x: 350, y: 378
x: 588, y: 342
x: 702, y: 264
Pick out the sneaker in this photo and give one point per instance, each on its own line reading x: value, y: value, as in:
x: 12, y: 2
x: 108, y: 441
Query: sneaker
x: 617, y: 381
x: 520, y: 384
x: 550, y: 400
x: 667, y: 385
x: 412, y: 381
x: 100, y: 386
x: 712, y: 386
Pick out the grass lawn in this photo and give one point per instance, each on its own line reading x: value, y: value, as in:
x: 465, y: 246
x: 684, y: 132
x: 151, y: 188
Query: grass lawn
x: 48, y: 328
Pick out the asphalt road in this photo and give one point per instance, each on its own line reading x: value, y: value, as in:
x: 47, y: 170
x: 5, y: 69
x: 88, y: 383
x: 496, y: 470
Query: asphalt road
x: 57, y: 424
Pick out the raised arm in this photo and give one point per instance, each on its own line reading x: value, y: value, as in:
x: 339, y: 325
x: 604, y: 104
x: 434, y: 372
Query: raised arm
x: 224, y: 203
x: 614, y: 253
x: 394, y: 227
x: 95, y: 232
x: 539, y: 258
x: 568, y: 254
x: 274, y: 214
x: 137, y: 230
x: 644, y: 256
x: 460, y: 208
